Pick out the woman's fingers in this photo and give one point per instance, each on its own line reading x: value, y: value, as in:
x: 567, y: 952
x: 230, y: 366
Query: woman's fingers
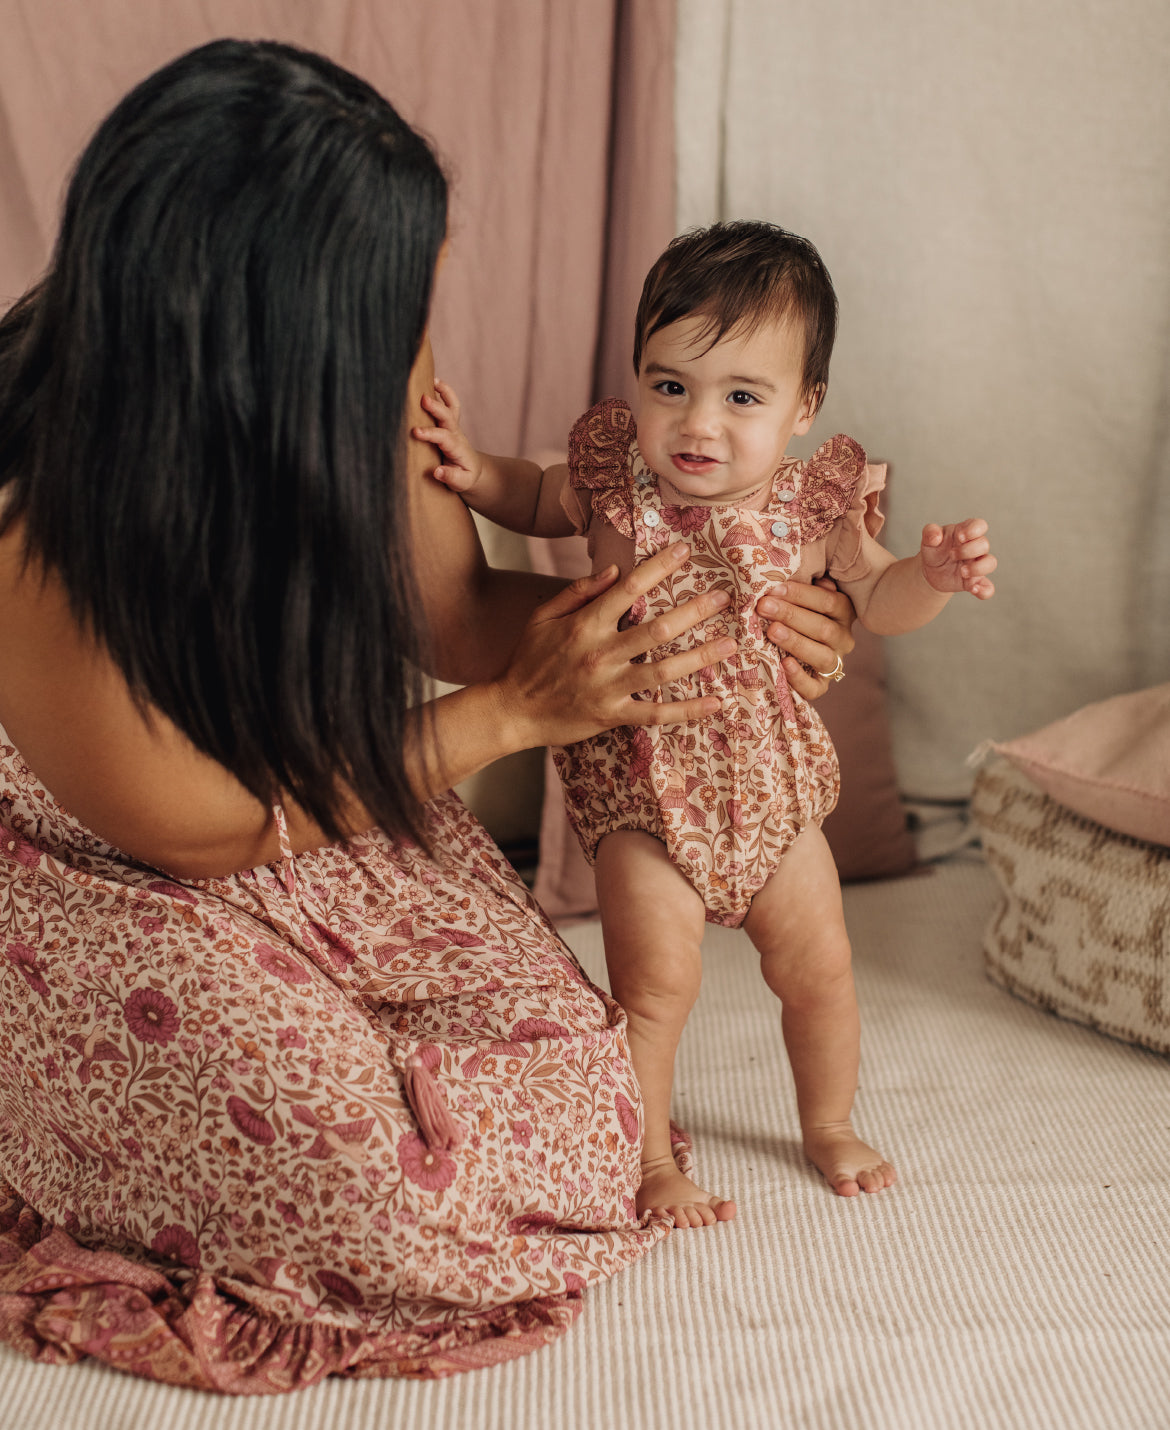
x: 803, y: 680
x: 671, y: 624
x: 819, y: 612
x: 677, y: 667
x: 576, y: 594
x: 671, y: 712
x: 817, y: 654
x: 641, y: 579
x: 809, y: 622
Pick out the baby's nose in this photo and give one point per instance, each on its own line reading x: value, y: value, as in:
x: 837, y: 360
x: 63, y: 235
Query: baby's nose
x: 701, y: 419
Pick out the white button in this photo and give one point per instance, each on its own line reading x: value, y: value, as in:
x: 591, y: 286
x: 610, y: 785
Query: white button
x: 643, y: 479
x: 786, y: 494
x: 652, y: 518
x: 779, y: 528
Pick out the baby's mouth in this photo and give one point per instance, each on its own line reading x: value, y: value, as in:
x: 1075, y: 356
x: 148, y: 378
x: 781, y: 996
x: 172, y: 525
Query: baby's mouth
x: 692, y: 462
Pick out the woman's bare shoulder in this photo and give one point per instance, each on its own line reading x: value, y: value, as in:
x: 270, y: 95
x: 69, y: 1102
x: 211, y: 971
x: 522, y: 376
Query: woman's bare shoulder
x: 131, y: 778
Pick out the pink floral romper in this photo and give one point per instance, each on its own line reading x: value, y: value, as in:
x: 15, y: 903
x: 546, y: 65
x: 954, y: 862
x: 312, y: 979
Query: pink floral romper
x: 729, y: 796
x: 354, y: 1112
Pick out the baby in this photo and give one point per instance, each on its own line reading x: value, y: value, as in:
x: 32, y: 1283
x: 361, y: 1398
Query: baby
x: 721, y: 822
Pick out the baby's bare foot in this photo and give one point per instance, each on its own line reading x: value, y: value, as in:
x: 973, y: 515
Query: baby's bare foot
x: 845, y: 1162
x: 665, y: 1189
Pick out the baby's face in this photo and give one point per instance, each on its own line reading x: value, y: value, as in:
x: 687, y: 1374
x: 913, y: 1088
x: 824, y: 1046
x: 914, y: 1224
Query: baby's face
x: 716, y: 421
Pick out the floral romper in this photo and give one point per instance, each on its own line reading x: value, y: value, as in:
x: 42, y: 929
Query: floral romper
x: 728, y: 796
x: 355, y: 1112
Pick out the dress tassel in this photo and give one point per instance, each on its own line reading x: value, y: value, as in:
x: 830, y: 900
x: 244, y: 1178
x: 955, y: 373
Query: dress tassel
x: 439, y: 1129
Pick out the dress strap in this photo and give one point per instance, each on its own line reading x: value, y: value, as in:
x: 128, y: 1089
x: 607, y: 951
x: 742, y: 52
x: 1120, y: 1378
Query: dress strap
x: 288, y: 868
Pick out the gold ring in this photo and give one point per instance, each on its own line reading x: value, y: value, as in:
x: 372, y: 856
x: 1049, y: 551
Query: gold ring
x: 837, y: 672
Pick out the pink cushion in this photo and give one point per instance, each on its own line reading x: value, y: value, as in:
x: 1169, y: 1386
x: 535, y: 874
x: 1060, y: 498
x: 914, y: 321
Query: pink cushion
x: 866, y: 832
x: 1109, y: 762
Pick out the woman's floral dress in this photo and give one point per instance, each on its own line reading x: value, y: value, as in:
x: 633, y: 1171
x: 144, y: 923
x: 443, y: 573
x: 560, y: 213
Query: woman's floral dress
x: 729, y: 795
x: 356, y: 1112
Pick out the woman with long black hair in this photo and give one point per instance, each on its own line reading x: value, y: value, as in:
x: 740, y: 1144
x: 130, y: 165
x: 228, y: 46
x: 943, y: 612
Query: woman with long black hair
x: 297, y: 1079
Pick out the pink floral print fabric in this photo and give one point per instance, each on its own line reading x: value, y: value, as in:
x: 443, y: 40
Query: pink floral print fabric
x: 727, y: 797
x: 359, y: 1112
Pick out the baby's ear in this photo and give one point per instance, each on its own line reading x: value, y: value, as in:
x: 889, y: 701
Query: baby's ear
x: 810, y: 405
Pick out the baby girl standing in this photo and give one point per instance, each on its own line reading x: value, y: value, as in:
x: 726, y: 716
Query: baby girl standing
x: 720, y: 822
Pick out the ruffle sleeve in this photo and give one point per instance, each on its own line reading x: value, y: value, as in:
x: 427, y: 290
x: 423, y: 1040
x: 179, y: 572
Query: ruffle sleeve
x: 599, y: 463
x: 845, y: 552
x: 838, y: 500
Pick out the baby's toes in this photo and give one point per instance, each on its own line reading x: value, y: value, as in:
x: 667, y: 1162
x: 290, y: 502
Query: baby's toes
x: 845, y: 1184
x: 876, y: 1179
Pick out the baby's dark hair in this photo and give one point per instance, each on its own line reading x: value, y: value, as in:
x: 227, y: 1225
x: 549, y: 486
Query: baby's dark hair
x: 738, y: 275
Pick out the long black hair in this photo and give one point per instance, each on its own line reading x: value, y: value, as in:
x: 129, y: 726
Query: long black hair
x: 202, y: 414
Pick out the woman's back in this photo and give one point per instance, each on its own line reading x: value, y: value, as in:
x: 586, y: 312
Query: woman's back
x: 136, y: 782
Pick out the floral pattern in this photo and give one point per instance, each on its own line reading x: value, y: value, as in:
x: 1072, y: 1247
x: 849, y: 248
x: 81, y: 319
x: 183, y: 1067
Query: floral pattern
x: 726, y: 798
x: 222, y: 1109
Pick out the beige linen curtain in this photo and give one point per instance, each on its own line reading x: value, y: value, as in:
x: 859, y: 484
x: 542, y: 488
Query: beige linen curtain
x: 988, y: 185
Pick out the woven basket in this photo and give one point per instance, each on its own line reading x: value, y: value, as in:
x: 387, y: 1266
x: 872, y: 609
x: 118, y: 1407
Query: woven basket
x: 1083, y: 926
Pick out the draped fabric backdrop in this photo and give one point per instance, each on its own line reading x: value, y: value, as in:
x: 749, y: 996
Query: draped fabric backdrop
x: 521, y: 98
x: 988, y: 184
x: 553, y: 121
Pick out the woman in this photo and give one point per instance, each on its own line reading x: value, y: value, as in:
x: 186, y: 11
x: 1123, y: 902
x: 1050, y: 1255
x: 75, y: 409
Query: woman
x: 298, y: 1080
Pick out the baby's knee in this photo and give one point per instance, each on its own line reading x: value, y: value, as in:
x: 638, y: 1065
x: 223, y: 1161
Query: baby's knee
x: 820, y: 973
x: 657, y: 993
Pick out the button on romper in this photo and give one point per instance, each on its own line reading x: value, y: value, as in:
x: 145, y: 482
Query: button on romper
x: 727, y: 795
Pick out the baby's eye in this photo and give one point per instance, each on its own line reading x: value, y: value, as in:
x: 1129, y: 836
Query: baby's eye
x: 743, y: 399
x: 669, y: 388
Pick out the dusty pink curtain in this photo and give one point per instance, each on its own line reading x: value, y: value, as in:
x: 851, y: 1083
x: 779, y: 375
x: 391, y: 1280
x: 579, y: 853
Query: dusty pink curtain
x: 552, y: 116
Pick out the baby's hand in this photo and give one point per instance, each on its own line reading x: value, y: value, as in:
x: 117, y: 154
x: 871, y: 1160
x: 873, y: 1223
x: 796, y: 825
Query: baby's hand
x: 958, y: 558
x: 461, y: 466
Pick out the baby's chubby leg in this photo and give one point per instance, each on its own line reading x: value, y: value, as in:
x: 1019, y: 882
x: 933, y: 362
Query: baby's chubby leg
x: 798, y: 925
x: 652, y: 920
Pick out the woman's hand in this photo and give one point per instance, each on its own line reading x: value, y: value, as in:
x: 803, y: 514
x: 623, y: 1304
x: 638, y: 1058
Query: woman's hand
x: 575, y: 674
x: 812, y: 624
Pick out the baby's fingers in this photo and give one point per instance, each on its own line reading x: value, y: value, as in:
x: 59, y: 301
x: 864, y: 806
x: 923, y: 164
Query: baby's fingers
x: 970, y: 529
x: 436, y: 436
x: 449, y: 397
x: 984, y: 566
x: 974, y: 576
x: 437, y: 410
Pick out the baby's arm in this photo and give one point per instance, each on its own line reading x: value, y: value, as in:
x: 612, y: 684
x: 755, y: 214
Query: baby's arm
x: 899, y: 596
x: 507, y: 490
